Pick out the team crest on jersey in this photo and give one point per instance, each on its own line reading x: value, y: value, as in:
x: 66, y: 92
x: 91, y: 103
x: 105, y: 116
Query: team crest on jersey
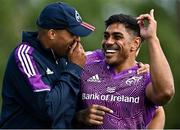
x: 133, y: 81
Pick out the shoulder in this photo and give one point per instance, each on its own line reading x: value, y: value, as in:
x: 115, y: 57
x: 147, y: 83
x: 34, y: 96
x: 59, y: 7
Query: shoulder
x: 96, y: 65
x: 23, y: 49
x: 145, y: 75
x: 94, y: 56
x: 146, y: 78
x: 142, y: 79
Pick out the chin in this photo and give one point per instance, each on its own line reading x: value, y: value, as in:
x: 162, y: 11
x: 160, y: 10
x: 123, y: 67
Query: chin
x: 110, y: 61
x: 114, y: 62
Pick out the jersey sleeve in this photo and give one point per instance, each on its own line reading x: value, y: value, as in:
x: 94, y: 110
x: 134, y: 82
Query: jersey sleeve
x: 147, y: 76
x: 27, y: 65
x: 41, y: 98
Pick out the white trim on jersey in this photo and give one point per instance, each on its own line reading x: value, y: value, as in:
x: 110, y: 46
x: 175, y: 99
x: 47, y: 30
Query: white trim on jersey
x: 29, y: 61
x: 88, y: 53
x: 41, y: 90
x: 25, y: 60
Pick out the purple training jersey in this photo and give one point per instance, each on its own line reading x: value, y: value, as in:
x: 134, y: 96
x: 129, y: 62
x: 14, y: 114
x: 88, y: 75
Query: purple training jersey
x: 124, y: 93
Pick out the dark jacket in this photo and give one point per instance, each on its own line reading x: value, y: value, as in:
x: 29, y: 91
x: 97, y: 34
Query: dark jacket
x: 38, y: 91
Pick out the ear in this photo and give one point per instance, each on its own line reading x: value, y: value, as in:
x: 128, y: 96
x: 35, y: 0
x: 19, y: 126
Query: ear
x: 136, y: 43
x: 137, y: 52
x: 51, y: 34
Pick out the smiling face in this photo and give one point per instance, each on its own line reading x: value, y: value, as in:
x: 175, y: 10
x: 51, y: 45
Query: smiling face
x: 119, y: 44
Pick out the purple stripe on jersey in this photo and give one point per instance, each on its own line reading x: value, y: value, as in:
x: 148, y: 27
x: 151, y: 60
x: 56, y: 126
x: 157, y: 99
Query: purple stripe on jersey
x: 27, y: 66
x: 37, y: 84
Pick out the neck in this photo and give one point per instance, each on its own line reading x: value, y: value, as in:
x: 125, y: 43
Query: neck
x: 128, y: 63
x: 42, y: 38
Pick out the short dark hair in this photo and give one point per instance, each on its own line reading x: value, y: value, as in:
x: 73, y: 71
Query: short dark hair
x: 129, y: 22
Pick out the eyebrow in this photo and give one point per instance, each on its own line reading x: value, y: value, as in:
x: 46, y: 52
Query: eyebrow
x: 114, y: 33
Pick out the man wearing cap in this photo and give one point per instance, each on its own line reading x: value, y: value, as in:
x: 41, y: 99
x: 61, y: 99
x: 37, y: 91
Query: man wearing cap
x: 42, y: 78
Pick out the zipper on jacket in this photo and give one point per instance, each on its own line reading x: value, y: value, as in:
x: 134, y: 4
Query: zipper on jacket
x: 54, y: 56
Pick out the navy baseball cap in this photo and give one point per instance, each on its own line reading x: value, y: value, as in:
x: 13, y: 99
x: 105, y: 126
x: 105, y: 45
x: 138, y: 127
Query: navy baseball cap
x: 61, y: 16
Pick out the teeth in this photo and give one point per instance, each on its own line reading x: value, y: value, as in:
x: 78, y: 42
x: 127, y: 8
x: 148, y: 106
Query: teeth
x: 110, y: 51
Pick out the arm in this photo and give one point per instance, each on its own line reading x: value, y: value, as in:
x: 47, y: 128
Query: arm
x: 162, y: 88
x: 158, y: 120
x: 40, y: 97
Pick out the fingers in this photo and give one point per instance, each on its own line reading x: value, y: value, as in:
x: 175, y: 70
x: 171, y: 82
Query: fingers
x: 96, y: 117
x: 87, y: 117
x: 146, y: 16
x: 152, y: 13
x: 141, y: 23
x: 143, y: 17
x: 140, y: 64
x: 102, y: 108
x: 72, y: 47
x: 95, y: 114
x: 143, y: 68
x: 95, y: 122
x: 99, y: 112
x: 76, y: 54
x: 81, y: 47
x: 75, y: 45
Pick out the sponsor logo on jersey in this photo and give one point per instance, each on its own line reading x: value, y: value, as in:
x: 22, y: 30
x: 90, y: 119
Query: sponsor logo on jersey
x: 110, y: 97
x: 111, y: 89
x: 48, y: 71
x: 94, y: 78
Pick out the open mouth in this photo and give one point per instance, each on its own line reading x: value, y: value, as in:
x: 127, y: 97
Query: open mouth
x: 110, y: 51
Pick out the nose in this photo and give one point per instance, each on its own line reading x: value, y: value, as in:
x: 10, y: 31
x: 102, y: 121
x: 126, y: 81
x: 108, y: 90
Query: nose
x: 109, y: 41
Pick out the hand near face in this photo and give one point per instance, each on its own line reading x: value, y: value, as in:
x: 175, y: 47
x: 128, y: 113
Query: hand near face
x: 93, y: 115
x: 76, y: 54
x: 149, y: 31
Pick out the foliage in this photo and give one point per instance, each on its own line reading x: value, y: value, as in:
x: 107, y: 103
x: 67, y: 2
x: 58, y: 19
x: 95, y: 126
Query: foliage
x: 19, y: 15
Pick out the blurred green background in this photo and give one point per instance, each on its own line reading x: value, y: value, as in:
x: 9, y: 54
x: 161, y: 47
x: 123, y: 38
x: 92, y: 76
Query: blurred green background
x: 19, y: 15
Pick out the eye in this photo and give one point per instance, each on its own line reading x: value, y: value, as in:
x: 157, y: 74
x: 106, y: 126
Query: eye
x: 117, y: 37
x: 106, y: 36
